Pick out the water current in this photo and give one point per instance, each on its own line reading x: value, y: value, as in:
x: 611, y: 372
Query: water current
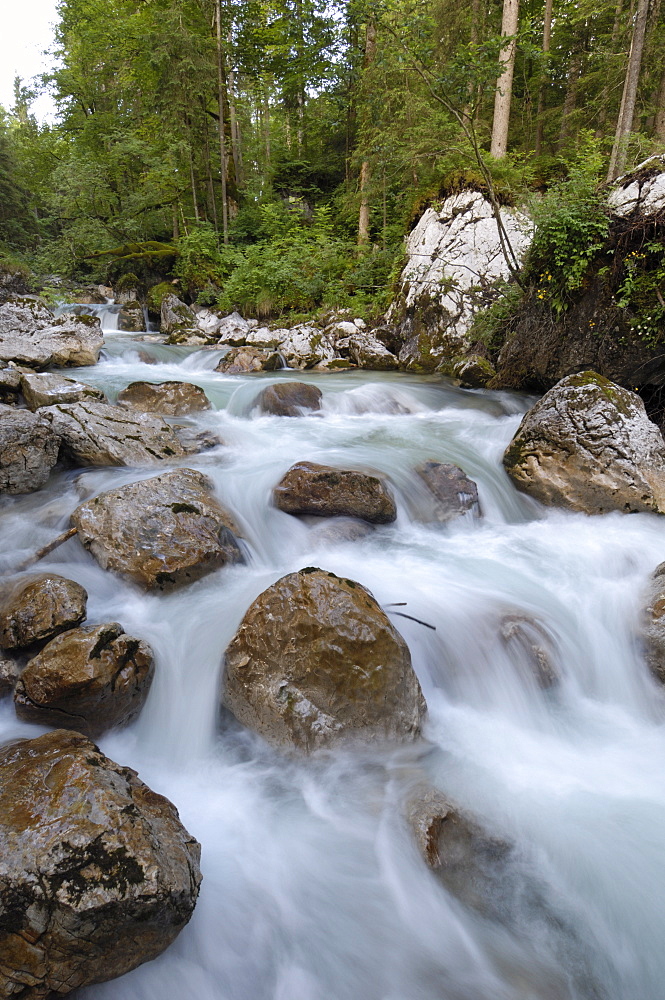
x: 313, y: 886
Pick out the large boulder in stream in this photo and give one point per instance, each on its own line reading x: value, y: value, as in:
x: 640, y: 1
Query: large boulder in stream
x: 28, y: 450
x: 36, y: 608
x: 99, y: 434
x: 316, y: 661
x: 451, y: 491
x: 308, y: 488
x: 47, y: 389
x: 89, y: 679
x: 176, y: 317
x: 289, y: 399
x: 97, y: 873
x: 247, y: 360
x: 175, y: 399
x: 31, y: 335
x: 653, y: 624
x: 588, y: 445
x: 162, y: 532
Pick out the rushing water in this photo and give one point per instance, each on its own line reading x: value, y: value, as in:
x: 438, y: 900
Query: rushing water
x: 313, y: 887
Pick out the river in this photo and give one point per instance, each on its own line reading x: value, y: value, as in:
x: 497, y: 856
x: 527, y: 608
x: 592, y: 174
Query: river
x: 313, y: 887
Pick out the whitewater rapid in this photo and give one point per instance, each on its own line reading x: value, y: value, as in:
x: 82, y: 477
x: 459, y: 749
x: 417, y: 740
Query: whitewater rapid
x: 313, y: 887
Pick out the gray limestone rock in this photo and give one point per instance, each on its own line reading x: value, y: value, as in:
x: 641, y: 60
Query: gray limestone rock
x: 28, y: 450
x: 31, y: 335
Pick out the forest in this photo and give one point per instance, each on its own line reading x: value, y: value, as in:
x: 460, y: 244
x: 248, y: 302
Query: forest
x: 270, y: 156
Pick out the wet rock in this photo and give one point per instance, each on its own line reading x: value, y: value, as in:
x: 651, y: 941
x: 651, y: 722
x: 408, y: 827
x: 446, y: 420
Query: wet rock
x: 172, y: 398
x: 176, y: 317
x: 469, y: 861
x: 308, y: 488
x: 530, y: 648
x: 368, y: 352
x: 162, y: 532
x: 194, y: 441
x: 316, y: 661
x: 89, y: 679
x: 588, y: 445
x: 653, y: 624
x: 289, y: 399
x: 453, y: 492
x: 28, y: 450
x: 244, y: 360
x: 472, y: 370
x: 232, y: 329
x: 130, y: 317
x: 99, y: 434
x: 36, y: 608
x: 9, y: 674
x: 455, y: 268
x: 305, y: 346
x: 46, y: 389
x: 98, y: 873
x: 31, y: 335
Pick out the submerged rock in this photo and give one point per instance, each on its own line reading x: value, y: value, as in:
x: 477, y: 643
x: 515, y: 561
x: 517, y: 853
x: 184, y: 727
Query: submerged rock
x: 9, y: 674
x: 162, y: 532
x: 46, y: 389
x: 316, y: 661
x: 653, y: 624
x: 244, y: 360
x: 89, y: 679
x: 175, y: 399
x: 453, y: 492
x: 308, y: 488
x: 28, y: 450
x: 99, y: 434
x: 340, y: 529
x: 289, y: 399
x: 194, y: 441
x: 31, y: 335
x: 588, y: 445
x: 38, y: 607
x: 530, y: 647
x: 98, y: 874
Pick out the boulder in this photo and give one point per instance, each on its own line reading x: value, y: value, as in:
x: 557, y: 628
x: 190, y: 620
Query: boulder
x: 28, y: 450
x: 194, y: 441
x: 368, y: 352
x: 10, y: 384
x: 172, y: 398
x: 530, y: 648
x: 640, y: 192
x: 455, y: 268
x: 263, y: 336
x: 89, y: 679
x: 162, y: 532
x: 99, y: 434
x: 469, y: 861
x: 36, y: 608
x: 176, y: 317
x: 308, y: 488
x: 304, y: 346
x: 46, y: 389
x: 244, y: 360
x: 472, y: 370
x: 316, y: 661
x: 588, y: 445
x: 31, y: 335
x: 9, y: 674
x: 232, y: 330
x: 452, y: 491
x: 97, y: 875
x: 289, y: 399
x: 130, y: 317
x: 653, y: 624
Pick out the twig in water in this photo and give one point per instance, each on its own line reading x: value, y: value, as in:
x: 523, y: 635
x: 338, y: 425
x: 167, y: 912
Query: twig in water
x: 412, y: 619
x: 36, y: 556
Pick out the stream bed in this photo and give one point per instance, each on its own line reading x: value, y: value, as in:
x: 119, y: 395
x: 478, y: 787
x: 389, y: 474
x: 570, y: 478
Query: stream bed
x: 313, y: 886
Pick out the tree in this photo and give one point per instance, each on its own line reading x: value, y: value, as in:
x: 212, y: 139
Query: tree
x: 504, y: 85
x: 628, y: 99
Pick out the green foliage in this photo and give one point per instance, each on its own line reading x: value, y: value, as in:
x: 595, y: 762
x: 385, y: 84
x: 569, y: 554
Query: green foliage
x: 490, y: 325
x: 202, y: 265
x: 641, y: 291
x: 571, y: 230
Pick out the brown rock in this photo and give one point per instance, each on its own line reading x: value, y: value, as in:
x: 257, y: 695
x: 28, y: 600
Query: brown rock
x: 130, y: 317
x: 98, y: 434
x: 172, y: 398
x: 162, y: 532
x: 588, y: 445
x: 316, y: 661
x: 530, y: 647
x: 245, y: 360
x: 89, y: 679
x: 28, y: 450
x: 37, y: 608
x: 308, y: 488
x: 289, y: 399
x: 97, y: 875
x: 9, y: 674
x: 454, y: 493
x: 194, y: 441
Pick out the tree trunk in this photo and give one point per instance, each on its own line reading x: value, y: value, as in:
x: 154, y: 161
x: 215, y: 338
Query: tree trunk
x: 659, y: 119
x: 233, y: 119
x: 504, y: 85
x: 547, y: 39
x: 628, y: 100
x: 605, y: 93
x: 572, y: 82
x: 221, y: 126
x: 365, y: 170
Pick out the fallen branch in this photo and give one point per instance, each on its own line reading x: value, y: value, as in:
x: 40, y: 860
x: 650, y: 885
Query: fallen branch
x: 412, y: 619
x: 36, y: 556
